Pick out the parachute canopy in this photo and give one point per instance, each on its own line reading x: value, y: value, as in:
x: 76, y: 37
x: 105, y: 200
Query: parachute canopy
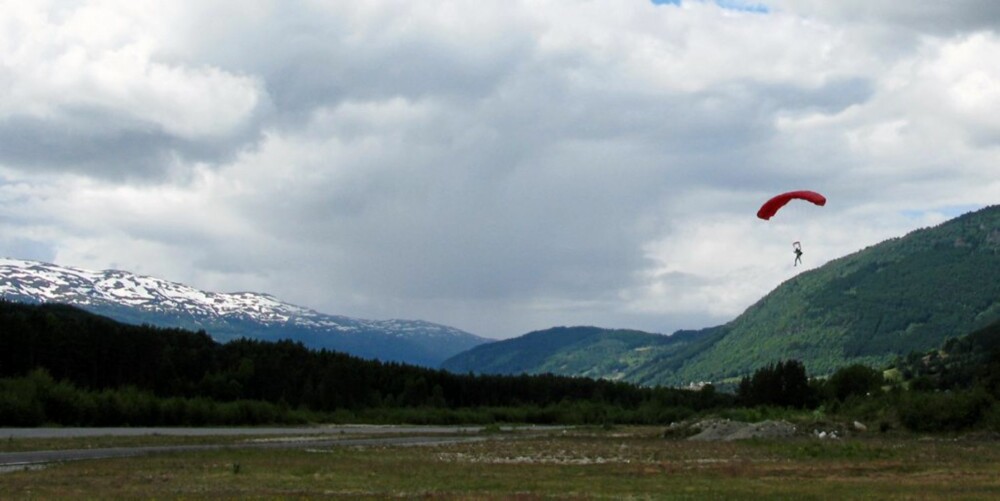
x: 771, y: 207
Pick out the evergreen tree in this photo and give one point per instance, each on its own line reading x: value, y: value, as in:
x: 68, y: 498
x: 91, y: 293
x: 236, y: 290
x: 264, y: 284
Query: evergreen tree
x: 855, y: 379
x: 783, y: 384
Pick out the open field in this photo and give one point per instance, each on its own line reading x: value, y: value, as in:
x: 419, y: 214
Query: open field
x: 580, y: 464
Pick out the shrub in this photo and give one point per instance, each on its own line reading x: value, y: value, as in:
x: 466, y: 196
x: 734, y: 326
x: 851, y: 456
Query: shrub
x: 19, y: 404
x: 954, y: 411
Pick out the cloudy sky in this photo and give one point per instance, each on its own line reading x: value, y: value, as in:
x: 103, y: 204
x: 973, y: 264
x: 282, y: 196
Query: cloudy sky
x: 498, y: 166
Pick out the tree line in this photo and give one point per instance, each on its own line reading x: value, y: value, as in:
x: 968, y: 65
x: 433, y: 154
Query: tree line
x: 924, y: 393
x: 62, y: 365
x: 110, y: 365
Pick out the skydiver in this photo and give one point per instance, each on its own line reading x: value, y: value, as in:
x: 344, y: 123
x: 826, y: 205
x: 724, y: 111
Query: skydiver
x: 798, y: 253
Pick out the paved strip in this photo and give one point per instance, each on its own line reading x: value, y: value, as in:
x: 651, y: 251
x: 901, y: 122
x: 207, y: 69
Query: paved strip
x: 229, y: 431
x: 9, y: 460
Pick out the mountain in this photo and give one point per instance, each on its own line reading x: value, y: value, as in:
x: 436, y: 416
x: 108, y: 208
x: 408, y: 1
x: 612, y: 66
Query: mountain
x: 140, y: 299
x: 582, y: 351
x: 905, y: 294
x: 578, y: 351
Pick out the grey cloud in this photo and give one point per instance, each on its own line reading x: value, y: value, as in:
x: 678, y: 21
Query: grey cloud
x: 311, y: 59
x: 305, y: 60
x: 941, y: 18
x: 21, y: 248
x: 546, y: 205
x: 830, y: 98
x: 102, y: 145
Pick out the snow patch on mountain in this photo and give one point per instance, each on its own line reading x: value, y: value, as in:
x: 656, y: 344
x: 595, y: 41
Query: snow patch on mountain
x: 33, y: 281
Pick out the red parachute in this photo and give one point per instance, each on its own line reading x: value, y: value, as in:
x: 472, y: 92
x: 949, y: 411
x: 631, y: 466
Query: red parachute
x: 771, y: 206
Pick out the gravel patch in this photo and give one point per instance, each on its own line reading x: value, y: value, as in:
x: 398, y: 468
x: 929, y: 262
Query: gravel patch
x: 726, y: 430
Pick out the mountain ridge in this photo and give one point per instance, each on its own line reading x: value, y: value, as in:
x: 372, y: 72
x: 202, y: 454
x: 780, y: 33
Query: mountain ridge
x: 137, y: 299
x: 550, y: 350
x: 907, y: 293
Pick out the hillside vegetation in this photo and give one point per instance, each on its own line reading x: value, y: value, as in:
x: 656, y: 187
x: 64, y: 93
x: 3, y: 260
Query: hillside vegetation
x: 870, y: 307
x: 580, y: 351
x: 905, y: 294
x: 577, y: 351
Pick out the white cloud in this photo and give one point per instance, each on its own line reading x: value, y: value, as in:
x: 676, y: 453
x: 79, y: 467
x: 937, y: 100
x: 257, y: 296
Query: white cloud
x: 77, y: 73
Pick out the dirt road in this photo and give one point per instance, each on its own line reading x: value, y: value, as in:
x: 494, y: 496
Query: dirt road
x: 291, y: 437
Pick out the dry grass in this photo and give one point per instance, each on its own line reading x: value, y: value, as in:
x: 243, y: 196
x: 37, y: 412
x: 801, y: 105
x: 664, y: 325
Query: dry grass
x: 635, y: 464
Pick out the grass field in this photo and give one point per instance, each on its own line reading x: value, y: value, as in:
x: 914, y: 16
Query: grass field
x: 634, y: 463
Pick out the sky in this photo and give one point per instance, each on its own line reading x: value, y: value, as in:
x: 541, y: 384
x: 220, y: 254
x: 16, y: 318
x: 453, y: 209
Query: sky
x: 496, y: 166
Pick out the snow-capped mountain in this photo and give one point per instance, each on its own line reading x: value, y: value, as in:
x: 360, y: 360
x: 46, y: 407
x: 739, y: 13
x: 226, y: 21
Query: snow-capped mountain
x: 140, y: 299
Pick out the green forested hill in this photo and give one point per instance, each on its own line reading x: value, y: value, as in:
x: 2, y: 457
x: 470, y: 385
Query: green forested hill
x: 578, y: 351
x: 902, y: 295
x: 905, y: 294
